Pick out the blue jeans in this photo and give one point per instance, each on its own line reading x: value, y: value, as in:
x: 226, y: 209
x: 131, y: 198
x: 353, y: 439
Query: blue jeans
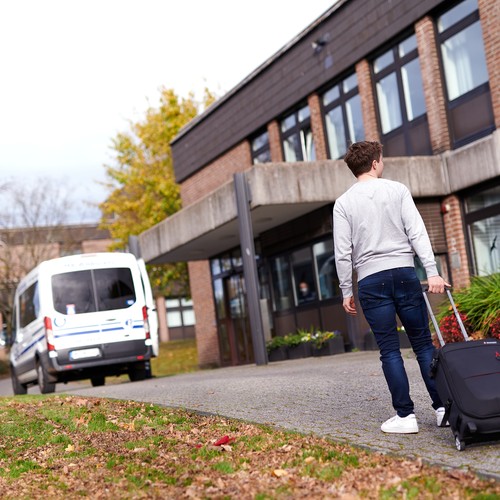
x: 382, y: 296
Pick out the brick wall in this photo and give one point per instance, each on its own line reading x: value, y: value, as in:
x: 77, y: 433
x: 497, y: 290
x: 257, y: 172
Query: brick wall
x: 204, y: 309
x: 455, y: 240
x: 489, y: 12
x: 218, y: 172
x: 317, y: 127
x: 433, y: 85
x: 273, y: 130
x: 365, y: 87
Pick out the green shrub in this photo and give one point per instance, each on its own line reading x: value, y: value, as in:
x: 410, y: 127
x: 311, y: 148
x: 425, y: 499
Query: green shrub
x: 478, y: 305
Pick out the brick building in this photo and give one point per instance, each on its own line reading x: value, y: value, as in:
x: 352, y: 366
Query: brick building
x: 422, y: 77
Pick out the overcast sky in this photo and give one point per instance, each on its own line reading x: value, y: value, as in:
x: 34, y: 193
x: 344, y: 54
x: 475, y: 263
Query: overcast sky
x: 74, y: 72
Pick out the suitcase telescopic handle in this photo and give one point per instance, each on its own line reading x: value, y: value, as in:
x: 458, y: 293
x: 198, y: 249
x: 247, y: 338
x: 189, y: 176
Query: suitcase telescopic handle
x: 455, y: 311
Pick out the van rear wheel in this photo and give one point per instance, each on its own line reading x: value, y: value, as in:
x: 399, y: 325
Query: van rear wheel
x: 137, y: 372
x: 46, y: 387
x: 17, y: 387
x: 97, y: 381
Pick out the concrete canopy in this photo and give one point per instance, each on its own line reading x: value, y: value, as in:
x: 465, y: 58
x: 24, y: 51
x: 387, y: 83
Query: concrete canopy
x: 280, y: 192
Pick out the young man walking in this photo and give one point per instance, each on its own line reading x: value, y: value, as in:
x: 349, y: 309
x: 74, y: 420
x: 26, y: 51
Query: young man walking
x: 377, y: 230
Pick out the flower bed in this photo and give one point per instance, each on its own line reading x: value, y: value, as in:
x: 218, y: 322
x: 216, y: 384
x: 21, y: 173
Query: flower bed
x: 303, y: 344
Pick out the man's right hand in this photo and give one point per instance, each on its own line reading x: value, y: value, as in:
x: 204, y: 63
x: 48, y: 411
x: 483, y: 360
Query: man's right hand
x: 349, y: 306
x: 436, y: 284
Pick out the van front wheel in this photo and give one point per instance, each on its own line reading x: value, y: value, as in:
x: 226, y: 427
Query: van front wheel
x: 45, y: 386
x: 98, y: 381
x: 17, y: 387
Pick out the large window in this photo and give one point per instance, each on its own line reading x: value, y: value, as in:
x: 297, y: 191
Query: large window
x: 464, y: 65
x: 180, y: 312
x: 297, y: 138
x: 261, y: 152
x: 304, y: 276
x: 343, y: 117
x: 401, y: 102
x: 483, y: 221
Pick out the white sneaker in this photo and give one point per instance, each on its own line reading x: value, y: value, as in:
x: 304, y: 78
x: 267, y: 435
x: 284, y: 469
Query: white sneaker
x: 439, y: 417
x: 401, y: 425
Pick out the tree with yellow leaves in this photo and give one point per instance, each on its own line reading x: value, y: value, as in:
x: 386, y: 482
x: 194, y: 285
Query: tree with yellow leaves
x: 142, y: 184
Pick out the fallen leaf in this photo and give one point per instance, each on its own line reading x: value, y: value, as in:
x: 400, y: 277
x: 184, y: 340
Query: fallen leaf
x: 280, y: 472
x: 224, y: 440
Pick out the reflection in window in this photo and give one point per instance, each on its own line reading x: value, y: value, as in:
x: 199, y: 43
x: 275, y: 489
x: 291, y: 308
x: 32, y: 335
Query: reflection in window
x: 464, y: 61
x: 282, y: 290
x: 326, y: 271
x: 343, y: 118
x: 303, y: 276
x: 400, y: 91
x: 388, y: 99
x: 485, y: 236
x: 261, y: 152
x: 484, y: 199
x: 297, y: 138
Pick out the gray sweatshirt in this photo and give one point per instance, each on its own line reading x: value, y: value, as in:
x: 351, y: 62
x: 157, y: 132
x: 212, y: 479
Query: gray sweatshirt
x: 376, y: 226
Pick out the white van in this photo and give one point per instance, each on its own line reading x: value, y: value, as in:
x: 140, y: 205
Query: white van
x: 82, y: 316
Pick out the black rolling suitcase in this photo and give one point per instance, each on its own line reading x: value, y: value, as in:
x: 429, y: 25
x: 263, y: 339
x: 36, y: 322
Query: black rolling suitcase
x: 467, y: 376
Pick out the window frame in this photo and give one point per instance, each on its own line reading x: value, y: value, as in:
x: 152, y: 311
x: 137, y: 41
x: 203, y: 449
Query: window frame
x: 300, y: 130
x: 341, y: 101
x: 265, y: 148
x: 396, y: 68
x: 475, y: 93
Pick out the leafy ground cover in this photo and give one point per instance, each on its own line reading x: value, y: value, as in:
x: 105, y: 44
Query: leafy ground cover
x: 62, y: 446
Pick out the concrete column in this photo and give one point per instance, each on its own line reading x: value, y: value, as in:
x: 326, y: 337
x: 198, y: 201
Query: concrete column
x: 161, y: 312
x: 317, y: 128
x: 489, y: 13
x: 207, y: 339
x: 433, y: 85
x: 455, y: 240
x: 365, y: 86
x: 273, y: 129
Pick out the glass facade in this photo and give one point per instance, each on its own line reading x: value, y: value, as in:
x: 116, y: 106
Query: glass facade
x: 483, y: 222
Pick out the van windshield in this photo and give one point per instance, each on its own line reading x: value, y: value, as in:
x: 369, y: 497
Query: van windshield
x: 93, y: 290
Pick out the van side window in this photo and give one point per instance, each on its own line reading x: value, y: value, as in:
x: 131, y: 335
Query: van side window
x: 29, y: 305
x: 94, y: 290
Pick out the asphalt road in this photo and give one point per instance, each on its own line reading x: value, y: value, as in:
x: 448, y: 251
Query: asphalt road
x: 342, y: 397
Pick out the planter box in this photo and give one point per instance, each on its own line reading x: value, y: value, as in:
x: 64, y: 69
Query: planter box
x: 334, y: 345
x: 302, y: 350
x: 278, y: 354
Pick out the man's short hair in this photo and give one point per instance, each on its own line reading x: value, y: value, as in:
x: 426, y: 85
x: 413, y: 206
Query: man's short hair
x: 360, y: 156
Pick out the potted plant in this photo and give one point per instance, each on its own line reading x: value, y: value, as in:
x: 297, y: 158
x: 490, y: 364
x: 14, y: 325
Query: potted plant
x: 327, y: 343
x: 277, y: 349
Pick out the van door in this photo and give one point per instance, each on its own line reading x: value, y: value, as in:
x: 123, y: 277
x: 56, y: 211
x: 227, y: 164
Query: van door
x: 29, y: 331
x: 151, y: 305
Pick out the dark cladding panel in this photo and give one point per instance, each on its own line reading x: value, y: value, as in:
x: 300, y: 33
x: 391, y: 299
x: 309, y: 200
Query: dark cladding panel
x: 354, y: 31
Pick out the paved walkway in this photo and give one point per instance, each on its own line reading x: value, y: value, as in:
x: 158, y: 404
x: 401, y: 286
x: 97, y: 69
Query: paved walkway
x: 342, y: 397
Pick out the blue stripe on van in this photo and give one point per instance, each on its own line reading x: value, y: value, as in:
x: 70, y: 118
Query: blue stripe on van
x: 58, y: 336
x: 30, y: 346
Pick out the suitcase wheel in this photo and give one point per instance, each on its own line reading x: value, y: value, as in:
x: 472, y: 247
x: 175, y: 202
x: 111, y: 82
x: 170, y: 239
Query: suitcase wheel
x: 459, y: 443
